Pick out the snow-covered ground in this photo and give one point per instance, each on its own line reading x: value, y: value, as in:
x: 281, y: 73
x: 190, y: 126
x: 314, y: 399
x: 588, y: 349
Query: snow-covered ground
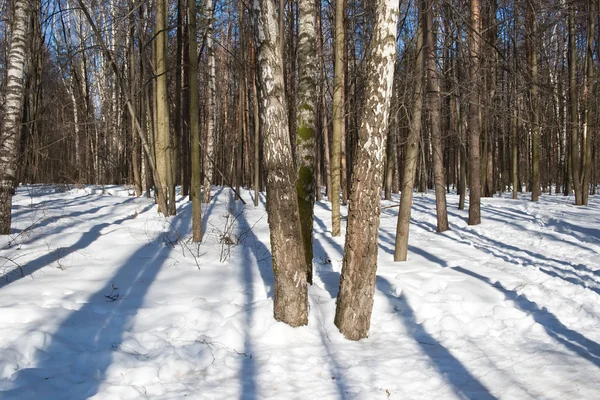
x: 102, y: 297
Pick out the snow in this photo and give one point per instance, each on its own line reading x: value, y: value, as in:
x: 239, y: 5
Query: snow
x: 115, y: 302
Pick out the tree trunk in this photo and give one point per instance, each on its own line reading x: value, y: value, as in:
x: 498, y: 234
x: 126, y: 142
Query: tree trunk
x: 588, y: 90
x: 196, y: 180
x: 211, y: 108
x: 412, y: 149
x: 434, y: 103
x: 533, y: 66
x: 357, y: 283
x: 338, y: 118
x: 306, y: 121
x: 573, y: 115
x: 289, y: 263
x: 11, y: 109
x: 474, y: 117
x: 163, y: 147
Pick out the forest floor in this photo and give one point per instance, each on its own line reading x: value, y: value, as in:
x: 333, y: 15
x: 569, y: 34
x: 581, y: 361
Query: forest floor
x: 102, y: 297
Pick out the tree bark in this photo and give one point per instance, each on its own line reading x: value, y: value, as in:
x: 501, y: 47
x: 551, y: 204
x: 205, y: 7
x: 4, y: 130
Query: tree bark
x: 306, y: 122
x: 412, y: 148
x: 474, y: 117
x: 338, y: 118
x: 211, y: 109
x: 11, y: 109
x: 435, y: 120
x: 289, y: 263
x: 196, y: 181
x: 163, y: 146
x: 573, y: 115
x: 357, y: 283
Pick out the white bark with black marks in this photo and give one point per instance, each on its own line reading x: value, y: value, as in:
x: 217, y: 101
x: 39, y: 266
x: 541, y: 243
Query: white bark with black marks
x: 289, y: 266
x: 357, y: 284
x: 9, y: 137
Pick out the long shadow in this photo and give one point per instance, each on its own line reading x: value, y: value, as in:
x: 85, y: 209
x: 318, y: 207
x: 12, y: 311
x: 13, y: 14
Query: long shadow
x: 459, y: 377
x: 329, y: 277
x: 582, y: 234
x: 40, y: 262
x: 49, y: 205
x: 77, y: 371
x: 508, y: 253
x: 335, y: 368
x: 463, y: 382
x: 572, y: 340
x: 62, y: 227
x: 206, y: 213
x: 248, y: 368
x: 254, y: 253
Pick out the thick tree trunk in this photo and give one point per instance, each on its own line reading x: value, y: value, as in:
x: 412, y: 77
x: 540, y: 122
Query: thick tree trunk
x: 289, y: 263
x: 412, y: 149
x: 306, y: 121
x: 357, y: 283
x: 13, y: 100
x: 474, y: 117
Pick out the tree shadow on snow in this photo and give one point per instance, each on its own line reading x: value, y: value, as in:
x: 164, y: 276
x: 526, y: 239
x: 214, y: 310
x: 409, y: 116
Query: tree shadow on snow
x: 55, y: 255
x: 572, y: 340
x: 76, y: 360
x: 462, y: 381
x: 254, y: 254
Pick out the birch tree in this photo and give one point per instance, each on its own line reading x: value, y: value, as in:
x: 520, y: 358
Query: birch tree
x: 357, y: 283
x: 11, y: 110
x: 306, y: 121
x: 211, y: 109
x: 196, y: 181
x: 289, y: 263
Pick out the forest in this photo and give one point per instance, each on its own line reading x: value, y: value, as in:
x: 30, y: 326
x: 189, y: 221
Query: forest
x: 213, y: 199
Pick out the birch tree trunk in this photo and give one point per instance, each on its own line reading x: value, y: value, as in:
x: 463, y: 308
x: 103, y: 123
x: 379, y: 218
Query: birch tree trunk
x: 211, y: 109
x: 357, y: 283
x: 196, y: 182
x: 13, y: 101
x: 306, y: 122
x: 289, y: 263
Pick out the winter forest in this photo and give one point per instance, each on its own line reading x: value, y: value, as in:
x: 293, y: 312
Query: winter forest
x: 296, y: 199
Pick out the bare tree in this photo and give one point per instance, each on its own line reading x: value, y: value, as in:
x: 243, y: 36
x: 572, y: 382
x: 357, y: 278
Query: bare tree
x: 338, y: 117
x: 474, y: 114
x: 412, y: 147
